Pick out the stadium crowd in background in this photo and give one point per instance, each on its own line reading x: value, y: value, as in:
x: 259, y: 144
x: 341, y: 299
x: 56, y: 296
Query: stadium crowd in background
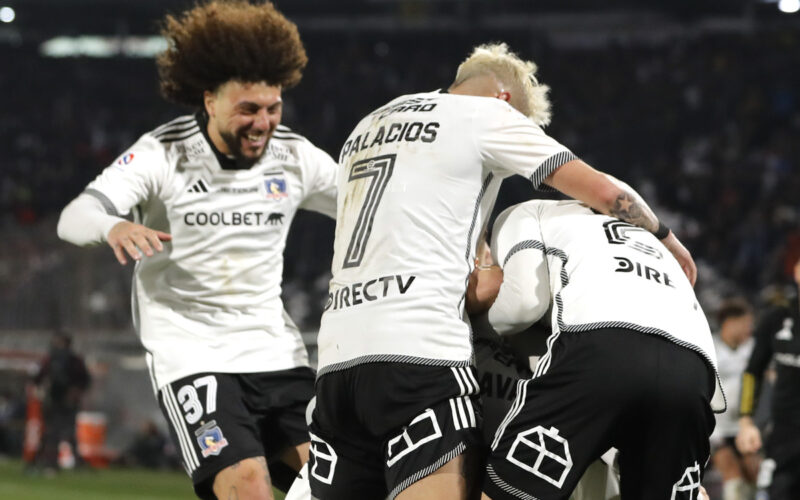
x: 777, y: 339
x: 733, y: 344
x: 702, y: 125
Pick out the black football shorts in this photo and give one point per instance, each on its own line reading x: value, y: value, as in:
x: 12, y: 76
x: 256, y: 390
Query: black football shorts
x: 640, y: 393
x: 377, y: 428
x: 219, y: 419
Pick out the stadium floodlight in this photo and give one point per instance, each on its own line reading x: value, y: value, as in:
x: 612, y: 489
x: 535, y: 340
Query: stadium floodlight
x: 7, y: 14
x: 103, y: 46
x: 789, y: 6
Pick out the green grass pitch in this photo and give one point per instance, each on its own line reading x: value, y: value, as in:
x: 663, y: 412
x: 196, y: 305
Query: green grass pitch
x: 95, y: 484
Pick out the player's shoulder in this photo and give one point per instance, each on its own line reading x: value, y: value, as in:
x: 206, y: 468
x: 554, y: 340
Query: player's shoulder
x: 533, y: 208
x: 285, y: 134
x: 177, y: 130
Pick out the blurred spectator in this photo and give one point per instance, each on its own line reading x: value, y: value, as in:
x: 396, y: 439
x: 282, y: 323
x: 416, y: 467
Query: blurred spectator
x: 733, y: 344
x: 63, y: 379
x: 777, y: 339
x: 149, y: 448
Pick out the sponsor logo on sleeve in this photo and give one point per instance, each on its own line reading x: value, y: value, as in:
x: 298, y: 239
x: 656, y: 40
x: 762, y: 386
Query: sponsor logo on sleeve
x: 125, y: 159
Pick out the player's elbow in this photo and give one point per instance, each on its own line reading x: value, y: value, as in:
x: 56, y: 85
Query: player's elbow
x: 71, y: 224
x: 62, y: 229
x: 524, y: 313
x: 606, y: 196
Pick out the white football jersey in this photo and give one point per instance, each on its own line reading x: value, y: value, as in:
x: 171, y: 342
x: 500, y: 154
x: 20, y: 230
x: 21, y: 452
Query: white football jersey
x: 732, y: 363
x: 211, y: 301
x: 591, y: 271
x: 417, y: 179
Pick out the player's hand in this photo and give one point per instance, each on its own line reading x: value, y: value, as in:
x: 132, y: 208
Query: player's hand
x: 748, y: 440
x: 683, y: 256
x: 703, y: 494
x: 484, y: 284
x: 135, y: 239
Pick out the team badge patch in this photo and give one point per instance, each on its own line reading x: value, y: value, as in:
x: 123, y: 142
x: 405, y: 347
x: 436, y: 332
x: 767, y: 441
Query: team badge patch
x: 210, y: 439
x: 276, y: 188
x: 125, y: 159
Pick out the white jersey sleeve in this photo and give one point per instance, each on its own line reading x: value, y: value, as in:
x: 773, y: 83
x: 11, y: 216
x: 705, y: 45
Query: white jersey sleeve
x: 321, y: 182
x: 510, y: 143
x: 132, y: 178
x: 85, y: 221
x: 524, y: 295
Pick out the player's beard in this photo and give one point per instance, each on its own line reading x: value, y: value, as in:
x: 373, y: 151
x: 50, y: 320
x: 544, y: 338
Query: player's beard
x: 234, y: 142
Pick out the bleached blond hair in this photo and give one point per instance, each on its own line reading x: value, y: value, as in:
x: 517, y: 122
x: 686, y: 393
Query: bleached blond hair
x: 517, y: 76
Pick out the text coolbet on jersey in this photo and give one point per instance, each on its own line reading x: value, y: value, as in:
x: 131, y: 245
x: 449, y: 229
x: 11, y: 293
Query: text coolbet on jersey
x: 211, y: 301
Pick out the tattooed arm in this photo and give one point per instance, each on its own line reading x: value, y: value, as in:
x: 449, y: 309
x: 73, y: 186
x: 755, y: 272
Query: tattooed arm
x: 613, y: 197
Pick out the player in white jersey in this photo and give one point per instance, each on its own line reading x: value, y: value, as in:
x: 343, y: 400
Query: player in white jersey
x: 630, y: 363
x: 733, y: 345
x: 213, y: 196
x: 396, y: 389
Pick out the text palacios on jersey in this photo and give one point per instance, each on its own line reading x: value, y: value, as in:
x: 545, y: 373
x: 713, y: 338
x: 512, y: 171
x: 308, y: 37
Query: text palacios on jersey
x: 396, y: 132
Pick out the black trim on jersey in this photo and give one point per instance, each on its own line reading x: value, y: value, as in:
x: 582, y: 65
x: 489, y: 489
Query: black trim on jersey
x: 390, y: 358
x: 180, y: 121
x: 523, y: 245
x: 549, y: 166
x: 177, y: 130
x: 176, y: 139
x: 482, y: 192
x: 292, y: 137
x: 563, y: 327
x: 104, y: 200
x: 284, y: 132
x: 225, y: 162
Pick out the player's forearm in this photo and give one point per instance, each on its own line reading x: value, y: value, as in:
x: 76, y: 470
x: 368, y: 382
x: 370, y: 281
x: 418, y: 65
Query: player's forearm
x: 604, y: 193
x: 84, y: 222
x: 524, y: 295
x: 629, y: 206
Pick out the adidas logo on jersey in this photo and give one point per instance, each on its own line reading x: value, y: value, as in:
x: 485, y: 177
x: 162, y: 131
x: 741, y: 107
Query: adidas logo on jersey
x: 198, y: 187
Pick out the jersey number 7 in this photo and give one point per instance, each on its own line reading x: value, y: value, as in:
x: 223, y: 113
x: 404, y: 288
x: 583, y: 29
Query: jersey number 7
x: 378, y: 171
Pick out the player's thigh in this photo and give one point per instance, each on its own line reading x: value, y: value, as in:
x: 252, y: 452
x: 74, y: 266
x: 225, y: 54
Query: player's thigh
x: 457, y: 479
x: 279, y: 400
x: 430, y: 443
x: 351, y: 470
x: 344, y: 461
x: 727, y: 463
x: 599, y: 482
x: 210, y: 425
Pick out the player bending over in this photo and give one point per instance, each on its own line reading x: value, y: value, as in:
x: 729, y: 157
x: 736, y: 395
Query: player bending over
x: 630, y: 362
